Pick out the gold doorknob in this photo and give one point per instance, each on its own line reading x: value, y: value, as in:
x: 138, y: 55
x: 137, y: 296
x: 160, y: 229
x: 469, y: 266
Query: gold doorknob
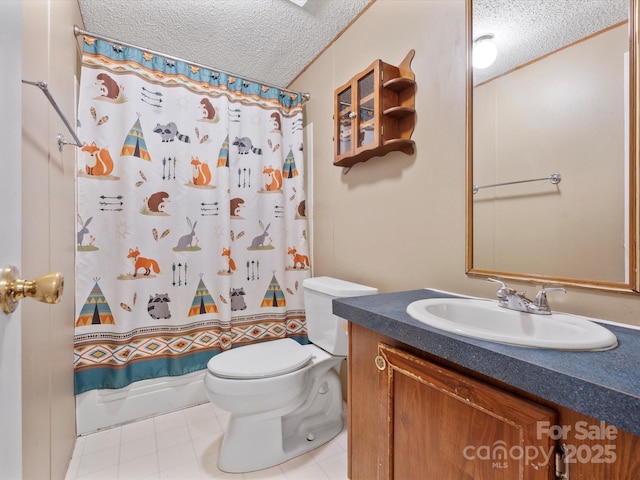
x: 46, y: 288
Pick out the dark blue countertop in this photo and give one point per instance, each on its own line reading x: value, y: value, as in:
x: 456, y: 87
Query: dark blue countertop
x: 604, y: 385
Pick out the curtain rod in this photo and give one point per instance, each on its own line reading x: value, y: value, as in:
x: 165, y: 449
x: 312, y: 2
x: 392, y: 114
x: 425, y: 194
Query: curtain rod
x: 61, y: 141
x: 77, y: 31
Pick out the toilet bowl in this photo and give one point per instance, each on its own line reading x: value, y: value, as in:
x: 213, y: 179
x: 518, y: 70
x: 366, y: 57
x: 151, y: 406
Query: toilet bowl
x: 285, y: 398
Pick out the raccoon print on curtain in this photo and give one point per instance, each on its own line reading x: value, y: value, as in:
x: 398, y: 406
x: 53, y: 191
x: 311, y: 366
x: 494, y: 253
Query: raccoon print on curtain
x: 191, y: 220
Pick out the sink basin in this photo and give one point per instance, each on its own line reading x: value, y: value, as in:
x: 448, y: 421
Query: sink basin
x: 484, y: 319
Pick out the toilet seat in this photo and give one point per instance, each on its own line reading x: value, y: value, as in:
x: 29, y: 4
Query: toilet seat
x: 260, y: 360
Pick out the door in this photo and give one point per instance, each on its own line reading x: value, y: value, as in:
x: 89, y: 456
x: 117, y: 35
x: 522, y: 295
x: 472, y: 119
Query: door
x: 438, y: 423
x: 344, y: 115
x: 366, y: 128
x: 10, y: 236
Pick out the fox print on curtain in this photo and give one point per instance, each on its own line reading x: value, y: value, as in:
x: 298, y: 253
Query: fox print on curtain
x: 191, y: 219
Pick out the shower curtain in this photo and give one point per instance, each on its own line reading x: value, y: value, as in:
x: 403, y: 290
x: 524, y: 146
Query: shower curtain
x: 192, y: 231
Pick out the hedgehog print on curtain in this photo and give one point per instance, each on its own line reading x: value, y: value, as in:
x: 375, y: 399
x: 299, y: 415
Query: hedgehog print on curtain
x: 192, y: 231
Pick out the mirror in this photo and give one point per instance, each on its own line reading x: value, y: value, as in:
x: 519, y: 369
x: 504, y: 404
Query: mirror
x: 551, y: 143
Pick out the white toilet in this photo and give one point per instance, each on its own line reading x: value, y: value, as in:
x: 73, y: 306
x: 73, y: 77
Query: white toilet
x: 285, y: 398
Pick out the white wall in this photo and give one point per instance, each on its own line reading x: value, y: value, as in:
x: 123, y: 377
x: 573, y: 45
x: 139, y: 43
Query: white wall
x: 48, y: 231
x: 10, y: 248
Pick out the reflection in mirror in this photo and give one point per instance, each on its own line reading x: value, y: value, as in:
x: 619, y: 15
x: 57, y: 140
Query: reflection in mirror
x: 556, y: 103
x: 367, y: 108
x: 346, y: 115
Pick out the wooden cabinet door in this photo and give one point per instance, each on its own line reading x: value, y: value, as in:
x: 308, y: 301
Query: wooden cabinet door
x: 367, y: 120
x: 343, y: 122
x: 436, y: 423
x: 357, y: 116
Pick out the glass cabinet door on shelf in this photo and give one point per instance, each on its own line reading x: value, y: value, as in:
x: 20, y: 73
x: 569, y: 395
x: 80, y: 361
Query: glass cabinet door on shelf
x: 366, y: 119
x: 345, y: 120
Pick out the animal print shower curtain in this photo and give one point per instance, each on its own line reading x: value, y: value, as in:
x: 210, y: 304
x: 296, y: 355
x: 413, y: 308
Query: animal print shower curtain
x: 191, y: 219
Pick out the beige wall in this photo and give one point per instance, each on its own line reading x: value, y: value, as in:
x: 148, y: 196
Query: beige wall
x: 398, y: 222
x: 48, y: 208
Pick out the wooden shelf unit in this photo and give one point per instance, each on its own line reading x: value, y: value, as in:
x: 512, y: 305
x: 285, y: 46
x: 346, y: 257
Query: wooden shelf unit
x: 374, y: 113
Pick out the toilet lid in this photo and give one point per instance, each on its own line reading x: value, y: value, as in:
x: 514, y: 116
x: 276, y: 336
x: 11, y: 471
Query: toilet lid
x: 260, y: 360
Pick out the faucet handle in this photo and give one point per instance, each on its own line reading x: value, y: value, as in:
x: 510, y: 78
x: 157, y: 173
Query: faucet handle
x: 495, y: 280
x: 541, y: 297
x: 503, y: 291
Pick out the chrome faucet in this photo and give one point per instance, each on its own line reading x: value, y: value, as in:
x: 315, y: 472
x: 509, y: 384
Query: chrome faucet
x: 514, y: 300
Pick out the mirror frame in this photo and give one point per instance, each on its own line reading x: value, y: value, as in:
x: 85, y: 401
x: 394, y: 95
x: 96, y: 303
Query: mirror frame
x: 633, y: 284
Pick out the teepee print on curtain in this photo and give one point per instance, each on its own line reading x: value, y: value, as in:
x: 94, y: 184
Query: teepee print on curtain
x: 202, y: 301
x: 190, y: 184
x: 95, y: 310
x: 134, y: 144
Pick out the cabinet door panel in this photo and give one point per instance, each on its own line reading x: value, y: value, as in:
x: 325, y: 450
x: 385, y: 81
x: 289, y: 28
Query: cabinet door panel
x: 344, y: 128
x: 367, y: 113
x: 363, y: 397
x: 435, y: 423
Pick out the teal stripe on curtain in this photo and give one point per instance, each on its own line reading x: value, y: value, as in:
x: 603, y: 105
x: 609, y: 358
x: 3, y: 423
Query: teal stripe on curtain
x: 217, y: 79
x: 90, y: 379
x: 86, y: 380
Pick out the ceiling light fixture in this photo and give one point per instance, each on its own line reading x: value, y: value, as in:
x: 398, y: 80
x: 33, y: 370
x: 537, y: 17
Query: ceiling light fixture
x: 484, y: 51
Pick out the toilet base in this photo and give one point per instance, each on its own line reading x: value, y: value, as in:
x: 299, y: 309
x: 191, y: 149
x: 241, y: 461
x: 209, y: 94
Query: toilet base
x: 255, y: 442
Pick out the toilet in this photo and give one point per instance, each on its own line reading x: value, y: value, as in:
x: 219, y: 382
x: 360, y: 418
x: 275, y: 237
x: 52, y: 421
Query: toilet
x: 285, y: 398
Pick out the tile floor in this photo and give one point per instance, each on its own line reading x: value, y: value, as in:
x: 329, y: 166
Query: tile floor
x: 184, y: 445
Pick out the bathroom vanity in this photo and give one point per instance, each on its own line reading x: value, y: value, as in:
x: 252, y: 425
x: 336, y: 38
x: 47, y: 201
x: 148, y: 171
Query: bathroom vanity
x: 424, y: 403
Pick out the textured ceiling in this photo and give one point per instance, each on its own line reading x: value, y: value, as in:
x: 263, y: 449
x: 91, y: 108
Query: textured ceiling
x: 528, y: 29
x: 270, y: 41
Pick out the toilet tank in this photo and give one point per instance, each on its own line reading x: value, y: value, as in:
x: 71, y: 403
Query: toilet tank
x: 325, y: 329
